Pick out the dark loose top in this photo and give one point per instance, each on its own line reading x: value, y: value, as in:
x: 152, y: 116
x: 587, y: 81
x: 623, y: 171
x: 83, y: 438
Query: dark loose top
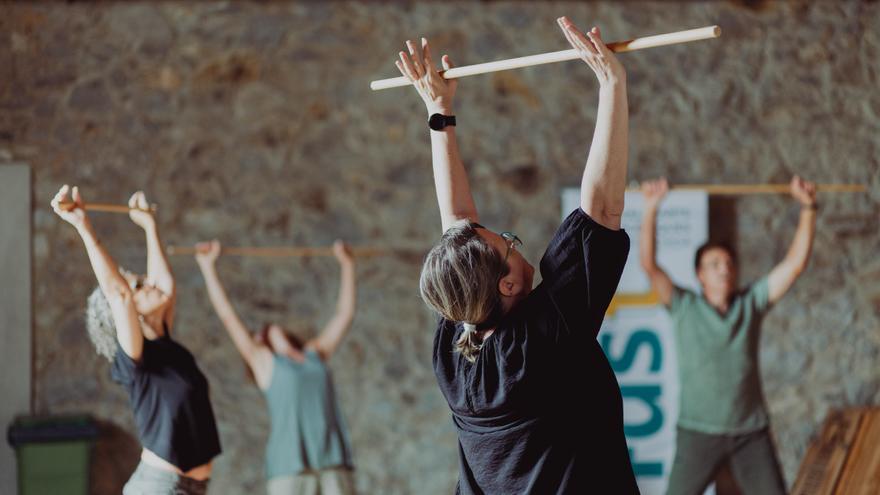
x: 540, y: 411
x: 169, y: 396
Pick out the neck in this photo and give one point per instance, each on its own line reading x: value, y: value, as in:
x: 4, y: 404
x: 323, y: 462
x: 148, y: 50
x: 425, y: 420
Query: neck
x: 294, y: 353
x: 510, y: 302
x: 507, y: 304
x: 717, y: 299
x: 152, y: 327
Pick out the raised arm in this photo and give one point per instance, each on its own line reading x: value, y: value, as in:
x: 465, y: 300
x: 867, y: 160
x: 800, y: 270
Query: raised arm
x: 257, y: 356
x: 450, y: 178
x: 158, y: 270
x: 337, y: 328
x: 604, y: 180
x: 783, y: 276
x: 653, y: 192
x: 113, y: 285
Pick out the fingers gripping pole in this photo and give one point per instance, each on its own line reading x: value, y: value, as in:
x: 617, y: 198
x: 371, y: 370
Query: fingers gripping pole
x: 703, y: 33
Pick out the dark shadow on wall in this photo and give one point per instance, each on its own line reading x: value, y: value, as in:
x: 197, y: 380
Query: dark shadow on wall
x: 722, y: 228
x: 722, y: 219
x: 114, y: 458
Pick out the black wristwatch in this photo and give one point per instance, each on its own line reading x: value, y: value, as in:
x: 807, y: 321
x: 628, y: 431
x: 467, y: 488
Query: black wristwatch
x: 438, y: 121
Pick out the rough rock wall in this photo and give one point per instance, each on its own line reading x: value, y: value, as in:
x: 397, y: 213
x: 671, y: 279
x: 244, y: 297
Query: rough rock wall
x: 253, y: 123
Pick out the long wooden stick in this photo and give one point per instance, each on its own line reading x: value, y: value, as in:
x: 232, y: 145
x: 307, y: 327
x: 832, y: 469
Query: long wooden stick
x: 280, y: 251
x: 105, y: 207
x: 703, y: 33
x: 743, y: 189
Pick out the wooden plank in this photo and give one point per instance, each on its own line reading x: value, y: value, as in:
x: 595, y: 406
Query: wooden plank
x: 861, y: 475
x: 823, y: 465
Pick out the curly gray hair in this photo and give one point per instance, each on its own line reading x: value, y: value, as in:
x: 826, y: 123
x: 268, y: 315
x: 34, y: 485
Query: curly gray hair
x: 100, y: 325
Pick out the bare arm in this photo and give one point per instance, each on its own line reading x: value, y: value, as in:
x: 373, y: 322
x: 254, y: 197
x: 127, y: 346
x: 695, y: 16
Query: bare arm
x: 450, y: 177
x: 337, y: 328
x: 158, y: 270
x: 653, y: 191
x: 113, y: 285
x: 127, y: 321
x: 783, y: 275
x: 604, y: 180
x: 254, y: 354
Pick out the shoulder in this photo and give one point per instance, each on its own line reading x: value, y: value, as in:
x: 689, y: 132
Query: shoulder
x: 526, y: 329
x: 124, y: 369
x: 262, y: 355
x: 681, y: 299
x: 684, y: 292
x: 445, y: 360
x: 757, y: 293
x: 446, y: 332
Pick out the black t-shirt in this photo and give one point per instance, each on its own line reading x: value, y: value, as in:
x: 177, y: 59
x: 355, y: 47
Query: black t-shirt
x: 169, y: 396
x: 540, y: 411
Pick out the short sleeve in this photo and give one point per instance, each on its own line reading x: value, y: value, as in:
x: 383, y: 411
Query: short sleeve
x: 679, y: 300
x: 758, y: 296
x: 581, y: 269
x: 124, y: 368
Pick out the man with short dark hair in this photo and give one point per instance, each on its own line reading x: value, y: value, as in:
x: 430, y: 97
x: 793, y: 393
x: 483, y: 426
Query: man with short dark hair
x: 722, y: 416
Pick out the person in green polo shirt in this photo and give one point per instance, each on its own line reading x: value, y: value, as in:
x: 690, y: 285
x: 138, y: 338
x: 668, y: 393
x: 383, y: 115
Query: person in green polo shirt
x: 722, y: 416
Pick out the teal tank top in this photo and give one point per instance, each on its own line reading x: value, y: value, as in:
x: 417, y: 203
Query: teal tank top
x: 308, y: 431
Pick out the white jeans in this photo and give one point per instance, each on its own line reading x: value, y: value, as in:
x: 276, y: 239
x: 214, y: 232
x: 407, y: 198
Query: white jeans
x: 149, y: 480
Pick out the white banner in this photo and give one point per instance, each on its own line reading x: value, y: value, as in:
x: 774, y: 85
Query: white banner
x: 637, y: 333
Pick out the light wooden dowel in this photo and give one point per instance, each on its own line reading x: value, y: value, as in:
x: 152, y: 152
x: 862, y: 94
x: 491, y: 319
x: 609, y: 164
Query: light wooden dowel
x: 703, y: 33
x: 743, y: 189
x: 281, y: 251
x: 109, y: 208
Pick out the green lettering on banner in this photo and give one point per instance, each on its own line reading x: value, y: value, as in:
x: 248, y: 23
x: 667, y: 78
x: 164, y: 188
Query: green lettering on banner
x: 636, y: 340
x: 648, y: 394
x: 645, y: 468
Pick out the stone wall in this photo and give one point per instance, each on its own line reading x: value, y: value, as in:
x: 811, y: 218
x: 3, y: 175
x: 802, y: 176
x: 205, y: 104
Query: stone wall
x: 254, y: 123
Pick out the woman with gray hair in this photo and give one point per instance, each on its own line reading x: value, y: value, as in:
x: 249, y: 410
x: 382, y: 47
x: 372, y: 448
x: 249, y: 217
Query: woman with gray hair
x: 129, y: 320
x: 534, y: 400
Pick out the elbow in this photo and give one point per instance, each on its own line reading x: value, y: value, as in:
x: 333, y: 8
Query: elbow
x: 796, y: 267
x: 651, y: 269
x: 605, y: 211
x: 118, y: 290
x: 609, y: 218
x: 345, y: 319
x: 469, y: 215
x: 166, y: 283
x: 614, y: 207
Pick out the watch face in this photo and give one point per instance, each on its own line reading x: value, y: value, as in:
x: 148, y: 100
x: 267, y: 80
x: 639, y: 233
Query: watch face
x: 437, y: 122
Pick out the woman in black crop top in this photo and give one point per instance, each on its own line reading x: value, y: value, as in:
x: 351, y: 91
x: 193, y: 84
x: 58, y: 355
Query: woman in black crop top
x: 129, y: 320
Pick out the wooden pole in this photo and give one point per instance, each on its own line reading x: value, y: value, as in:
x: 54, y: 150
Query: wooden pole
x: 104, y: 207
x: 746, y: 189
x: 281, y: 251
x: 703, y: 33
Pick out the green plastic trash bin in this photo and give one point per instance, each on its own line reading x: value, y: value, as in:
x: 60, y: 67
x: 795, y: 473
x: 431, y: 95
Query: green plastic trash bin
x: 53, y: 453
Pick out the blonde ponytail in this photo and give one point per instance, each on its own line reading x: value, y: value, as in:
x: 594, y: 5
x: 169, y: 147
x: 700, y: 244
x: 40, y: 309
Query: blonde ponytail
x: 469, y: 343
x: 459, y: 280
